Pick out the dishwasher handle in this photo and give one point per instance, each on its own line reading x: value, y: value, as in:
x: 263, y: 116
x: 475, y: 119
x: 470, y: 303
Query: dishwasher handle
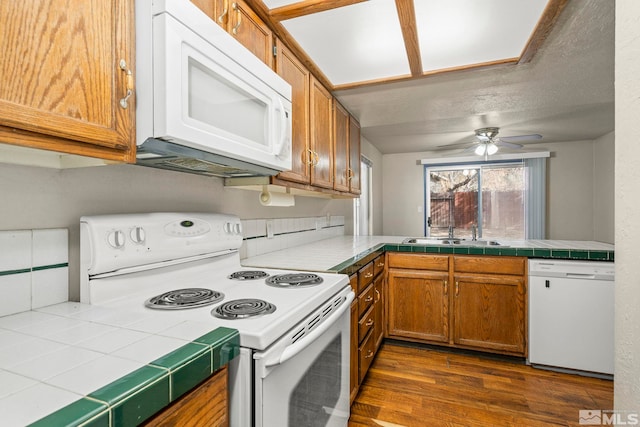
x: 580, y: 276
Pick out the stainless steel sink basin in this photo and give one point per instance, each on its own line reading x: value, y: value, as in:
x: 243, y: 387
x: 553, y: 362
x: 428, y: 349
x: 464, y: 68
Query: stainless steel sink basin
x: 447, y: 241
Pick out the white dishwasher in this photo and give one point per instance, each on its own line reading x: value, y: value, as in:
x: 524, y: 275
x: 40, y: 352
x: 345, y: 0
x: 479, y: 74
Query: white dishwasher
x: 571, y: 315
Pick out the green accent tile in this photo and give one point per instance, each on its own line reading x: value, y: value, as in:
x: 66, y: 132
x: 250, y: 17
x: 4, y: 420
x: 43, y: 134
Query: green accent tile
x: 131, y: 383
x: 11, y: 272
x: 611, y: 258
x: 461, y: 250
x: 524, y: 252
x: 141, y: 405
x: 559, y: 253
x: 432, y: 249
x: 543, y: 253
x: 600, y: 255
x: 85, y: 412
x: 579, y: 254
x: 390, y: 248
x: 225, y: 345
x: 405, y: 248
x: 508, y: 251
x: 419, y: 248
x: 476, y: 251
x: 189, y: 365
x: 446, y: 250
x: 50, y: 267
x: 492, y: 251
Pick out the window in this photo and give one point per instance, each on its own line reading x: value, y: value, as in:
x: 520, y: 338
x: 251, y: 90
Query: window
x: 362, y: 221
x: 502, y: 199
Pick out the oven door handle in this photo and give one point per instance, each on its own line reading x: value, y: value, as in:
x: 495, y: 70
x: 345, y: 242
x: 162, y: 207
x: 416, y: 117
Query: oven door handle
x: 298, y: 346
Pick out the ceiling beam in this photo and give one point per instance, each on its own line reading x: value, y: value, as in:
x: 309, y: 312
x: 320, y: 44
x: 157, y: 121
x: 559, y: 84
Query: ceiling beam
x: 308, y: 7
x: 542, y: 30
x: 407, y: 16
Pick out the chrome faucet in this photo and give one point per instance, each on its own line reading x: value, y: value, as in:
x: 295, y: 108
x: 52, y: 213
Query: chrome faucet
x: 451, y: 231
x: 474, y: 232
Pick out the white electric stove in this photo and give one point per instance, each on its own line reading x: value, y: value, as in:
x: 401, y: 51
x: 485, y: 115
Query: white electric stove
x: 294, y: 326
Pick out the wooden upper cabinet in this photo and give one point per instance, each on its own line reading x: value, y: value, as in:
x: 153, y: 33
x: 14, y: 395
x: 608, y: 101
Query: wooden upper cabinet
x: 297, y: 75
x: 321, y: 106
x: 62, y: 83
x: 354, y: 156
x: 341, y: 147
x: 237, y: 18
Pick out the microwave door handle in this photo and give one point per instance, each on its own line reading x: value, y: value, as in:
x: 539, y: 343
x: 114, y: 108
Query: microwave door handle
x: 284, y: 127
x: 298, y: 346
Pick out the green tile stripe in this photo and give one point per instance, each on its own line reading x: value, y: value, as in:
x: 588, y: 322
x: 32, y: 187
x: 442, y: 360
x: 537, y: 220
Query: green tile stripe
x: 140, y: 394
x: 38, y: 268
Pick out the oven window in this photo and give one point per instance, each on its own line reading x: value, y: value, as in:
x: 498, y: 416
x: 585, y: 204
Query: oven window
x: 316, y: 395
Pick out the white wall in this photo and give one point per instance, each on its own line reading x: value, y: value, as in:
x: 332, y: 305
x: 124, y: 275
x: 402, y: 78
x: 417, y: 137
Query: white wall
x: 49, y: 198
x: 573, y: 210
x: 604, y: 188
x: 627, y: 206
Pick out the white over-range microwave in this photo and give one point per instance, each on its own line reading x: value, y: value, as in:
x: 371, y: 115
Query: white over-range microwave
x: 205, y: 104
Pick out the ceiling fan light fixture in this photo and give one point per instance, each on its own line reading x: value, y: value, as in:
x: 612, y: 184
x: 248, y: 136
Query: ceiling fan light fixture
x: 481, y: 149
x: 492, y: 148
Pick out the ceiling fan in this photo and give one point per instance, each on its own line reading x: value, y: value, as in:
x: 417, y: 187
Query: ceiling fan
x: 488, y: 142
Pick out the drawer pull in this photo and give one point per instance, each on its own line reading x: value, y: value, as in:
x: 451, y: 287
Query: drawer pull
x: 446, y: 287
x: 381, y: 264
x: 457, y: 288
x: 368, y: 275
x: 369, y: 322
x: 368, y: 299
x: 377, y: 295
x: 369, y: 355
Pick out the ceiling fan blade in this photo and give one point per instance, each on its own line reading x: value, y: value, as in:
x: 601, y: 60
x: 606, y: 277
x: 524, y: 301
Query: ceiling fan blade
x: 454, y: 146
x: 501, y: 143
x: 518, y: 138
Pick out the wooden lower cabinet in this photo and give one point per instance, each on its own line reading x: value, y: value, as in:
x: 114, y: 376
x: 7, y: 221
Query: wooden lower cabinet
x: 489, y: 313
x: 353, y: 377
x: 473, y: 302
x: 206, y: 405
x: 418, y: 305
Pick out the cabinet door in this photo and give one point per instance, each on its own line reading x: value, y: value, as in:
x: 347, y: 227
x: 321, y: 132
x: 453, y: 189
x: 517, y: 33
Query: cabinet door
x: 341, y: 147
x: 291, y: 69
x: 61, y: 77
x: 489, y: 312
x: 354, y: 156
x: 205, y: 405
x: 217, y: 10
x: 251, y: 31
x: 378, y: 304
x: 418, y: 305
x: 354, y: 379
x: 321, y: 105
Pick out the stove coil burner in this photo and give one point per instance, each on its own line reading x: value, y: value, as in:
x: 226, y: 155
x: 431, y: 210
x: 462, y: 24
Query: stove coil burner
x: 294, y: 280
x: 243, y: 308
x: 184, y: 298
x: 248, y: 275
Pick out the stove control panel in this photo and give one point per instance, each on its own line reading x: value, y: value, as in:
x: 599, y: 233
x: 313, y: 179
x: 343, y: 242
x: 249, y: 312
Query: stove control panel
x: 113, y: 242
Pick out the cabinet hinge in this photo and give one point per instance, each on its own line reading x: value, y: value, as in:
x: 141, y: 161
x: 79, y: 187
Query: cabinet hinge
x: 275, y: 50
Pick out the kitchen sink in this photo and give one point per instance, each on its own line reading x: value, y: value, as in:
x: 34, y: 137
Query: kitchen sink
x: 447, y: 241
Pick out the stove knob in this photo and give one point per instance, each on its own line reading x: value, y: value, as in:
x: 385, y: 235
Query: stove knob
x: 237, y: 228
x: 228, y: 228
x: 116, y: 239
x: 138, y: 235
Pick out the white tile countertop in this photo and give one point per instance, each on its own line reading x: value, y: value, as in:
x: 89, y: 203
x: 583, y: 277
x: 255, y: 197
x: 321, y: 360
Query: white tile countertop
x: 325, y: 255
x: 53, y: 356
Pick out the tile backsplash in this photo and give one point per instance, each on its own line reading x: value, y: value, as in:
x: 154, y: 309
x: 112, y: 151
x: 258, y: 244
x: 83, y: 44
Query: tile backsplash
x: 34, y: 269
x: 268, y: 235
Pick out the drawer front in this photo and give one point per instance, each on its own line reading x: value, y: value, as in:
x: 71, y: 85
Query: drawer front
x: 490, y: 265
x: 365, y: 300
x: 366, y: 323
x: 365, y: 276
x: 378, y: 265
x: 366, y: 351
x: 353, y: 281
x: 418, y: 261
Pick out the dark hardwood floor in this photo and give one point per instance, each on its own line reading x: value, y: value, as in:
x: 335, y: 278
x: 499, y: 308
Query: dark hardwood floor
x: 417, y: 386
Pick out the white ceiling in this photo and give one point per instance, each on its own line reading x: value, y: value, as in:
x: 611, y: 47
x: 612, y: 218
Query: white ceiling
x: 565, y: 93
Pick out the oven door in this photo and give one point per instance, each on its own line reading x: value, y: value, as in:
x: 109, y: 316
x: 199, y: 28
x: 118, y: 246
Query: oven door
x: 306, y: 383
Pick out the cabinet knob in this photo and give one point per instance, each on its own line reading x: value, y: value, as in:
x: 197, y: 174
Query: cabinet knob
x: 446, y: 287
x: 369, y: 355
x: 369, y: 322
x: 368, y: 299
x: 457, y: 288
